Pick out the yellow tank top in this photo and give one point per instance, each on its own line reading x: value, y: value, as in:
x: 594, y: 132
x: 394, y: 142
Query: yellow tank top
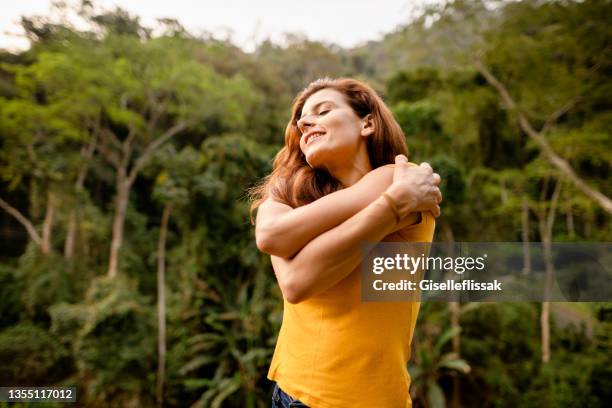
x: 333, y: 351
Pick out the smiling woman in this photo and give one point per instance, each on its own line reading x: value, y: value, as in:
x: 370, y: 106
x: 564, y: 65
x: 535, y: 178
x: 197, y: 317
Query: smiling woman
x: 333, y: 187
x: 331, y: 129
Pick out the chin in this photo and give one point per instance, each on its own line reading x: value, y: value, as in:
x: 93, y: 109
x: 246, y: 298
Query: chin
x: 317, y: 159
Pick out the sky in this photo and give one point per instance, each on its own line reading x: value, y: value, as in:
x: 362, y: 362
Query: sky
x: 344, y: 22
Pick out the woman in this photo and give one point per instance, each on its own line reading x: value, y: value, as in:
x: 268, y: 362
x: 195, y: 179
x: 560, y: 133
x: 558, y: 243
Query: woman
x: 333, y: 187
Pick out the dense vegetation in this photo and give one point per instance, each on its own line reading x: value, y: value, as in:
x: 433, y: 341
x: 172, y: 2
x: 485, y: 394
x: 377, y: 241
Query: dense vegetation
x: 125, y: 158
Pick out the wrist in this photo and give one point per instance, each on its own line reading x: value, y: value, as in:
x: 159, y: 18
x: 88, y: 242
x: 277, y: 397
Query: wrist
x: 405, y: 205
x: 392, y: 204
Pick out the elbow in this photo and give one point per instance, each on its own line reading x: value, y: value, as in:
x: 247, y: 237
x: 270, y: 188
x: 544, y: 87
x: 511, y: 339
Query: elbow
x: 293, y: 293
x: 263, y: 242
x: 263, y: 236
x: 271, y: 245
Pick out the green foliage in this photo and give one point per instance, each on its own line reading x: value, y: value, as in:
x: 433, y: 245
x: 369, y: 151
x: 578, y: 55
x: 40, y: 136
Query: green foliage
x: 301, y: 61
x: 501, y: 343
x: 434, y: 363
x: 569, y: 381
x: 112, y: 339
x: 412, y: 86
x: 232, y: 354
x: 48, y: 281
x: 453, y: 185
x: 30, y: 356
x: 11, y: 305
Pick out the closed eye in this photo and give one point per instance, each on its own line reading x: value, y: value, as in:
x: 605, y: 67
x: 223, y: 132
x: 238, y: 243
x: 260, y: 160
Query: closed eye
x: 324, y: 112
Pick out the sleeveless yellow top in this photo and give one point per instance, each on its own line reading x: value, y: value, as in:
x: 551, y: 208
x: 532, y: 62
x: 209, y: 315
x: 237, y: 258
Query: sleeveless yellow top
x: 334, y: 351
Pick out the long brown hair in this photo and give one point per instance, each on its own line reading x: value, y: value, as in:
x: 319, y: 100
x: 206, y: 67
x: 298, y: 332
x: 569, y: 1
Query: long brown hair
x: 293, y: 181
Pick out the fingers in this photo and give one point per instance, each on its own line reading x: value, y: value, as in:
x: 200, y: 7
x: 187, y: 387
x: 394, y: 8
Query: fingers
x: 401, y: 162
x: 438, y: 196
x: 433, y: 205
x: 436, y: 199
x: 437, y: 179
x: 401, y: 167
x: 427, y: 166
x: 420, y: 183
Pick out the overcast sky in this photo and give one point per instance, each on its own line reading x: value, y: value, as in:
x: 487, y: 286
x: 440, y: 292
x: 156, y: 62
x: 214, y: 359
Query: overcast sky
x: 344, y: 22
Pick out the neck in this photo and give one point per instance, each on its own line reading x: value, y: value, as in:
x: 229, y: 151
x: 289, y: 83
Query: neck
x: 351, y: 172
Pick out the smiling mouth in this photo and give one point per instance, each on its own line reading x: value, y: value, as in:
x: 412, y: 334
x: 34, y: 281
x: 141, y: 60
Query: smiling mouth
x: 314, y: 136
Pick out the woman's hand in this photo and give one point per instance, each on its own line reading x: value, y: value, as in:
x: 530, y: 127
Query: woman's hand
x: 415, y: 188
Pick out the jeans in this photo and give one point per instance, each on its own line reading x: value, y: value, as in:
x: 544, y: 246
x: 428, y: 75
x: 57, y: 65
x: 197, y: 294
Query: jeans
x: 280, y: 399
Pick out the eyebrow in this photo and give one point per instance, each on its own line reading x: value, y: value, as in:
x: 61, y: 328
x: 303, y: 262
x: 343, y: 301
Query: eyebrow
x: 316, y: 106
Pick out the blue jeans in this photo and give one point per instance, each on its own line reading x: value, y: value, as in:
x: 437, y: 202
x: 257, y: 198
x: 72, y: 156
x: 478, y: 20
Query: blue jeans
x: 280, y: 399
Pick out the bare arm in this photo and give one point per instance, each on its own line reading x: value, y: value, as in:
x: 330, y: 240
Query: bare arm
x: 283, y: 231
x: 331, y: 256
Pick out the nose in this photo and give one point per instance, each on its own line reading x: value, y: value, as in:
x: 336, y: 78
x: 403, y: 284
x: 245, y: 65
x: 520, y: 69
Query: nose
x: 305, y: 123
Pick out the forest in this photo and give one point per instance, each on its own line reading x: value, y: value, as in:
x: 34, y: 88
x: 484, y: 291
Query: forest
x: 128, y: 263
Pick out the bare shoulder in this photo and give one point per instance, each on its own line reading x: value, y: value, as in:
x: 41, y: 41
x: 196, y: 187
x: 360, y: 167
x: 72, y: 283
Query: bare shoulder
x: 392, y: 166
x: 386, y: 169
x: 271, y: 208
x: 380, y: 174
x: 273, y: 201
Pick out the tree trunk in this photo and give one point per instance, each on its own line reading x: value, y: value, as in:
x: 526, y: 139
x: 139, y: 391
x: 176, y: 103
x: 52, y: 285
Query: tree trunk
x: 454, y: 309
x: 449, y: 238
x: 546, y: 223
x: 78, y: 186
x: 46, y: 245
x: 161, y: 304
x: 545, y: 316
x: 70, y: 235
x: 126, y: 179
x: 34, y: 194
x: 503, y: 192
x: 545, y: 335
x: 121, y: 202
x: 525, y: 235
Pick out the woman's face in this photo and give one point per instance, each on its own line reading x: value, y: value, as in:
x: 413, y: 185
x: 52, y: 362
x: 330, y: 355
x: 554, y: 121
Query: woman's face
x: 331, y: 132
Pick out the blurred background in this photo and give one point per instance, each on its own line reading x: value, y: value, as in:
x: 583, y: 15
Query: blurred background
x: 128, y: 139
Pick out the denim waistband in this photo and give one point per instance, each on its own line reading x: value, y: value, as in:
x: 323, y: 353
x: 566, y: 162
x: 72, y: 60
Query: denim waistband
x: 280, y: 399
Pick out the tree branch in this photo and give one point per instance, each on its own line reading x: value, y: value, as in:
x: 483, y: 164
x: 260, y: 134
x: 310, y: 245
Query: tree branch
x: 112, y: 137
x: 552, y: 119
x: 556, y: 160
x: 126, y: 146
x: 22, y: 220
x: 154, y: 145
x: 155, y: 110
x: 109, y: 156
x: 86, y: 153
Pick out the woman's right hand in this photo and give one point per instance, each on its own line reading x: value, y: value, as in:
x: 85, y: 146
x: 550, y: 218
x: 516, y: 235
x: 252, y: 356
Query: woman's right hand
x: 415, y: 188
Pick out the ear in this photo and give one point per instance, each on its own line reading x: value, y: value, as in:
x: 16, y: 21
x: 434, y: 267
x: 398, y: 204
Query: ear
x: 367, y: 125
